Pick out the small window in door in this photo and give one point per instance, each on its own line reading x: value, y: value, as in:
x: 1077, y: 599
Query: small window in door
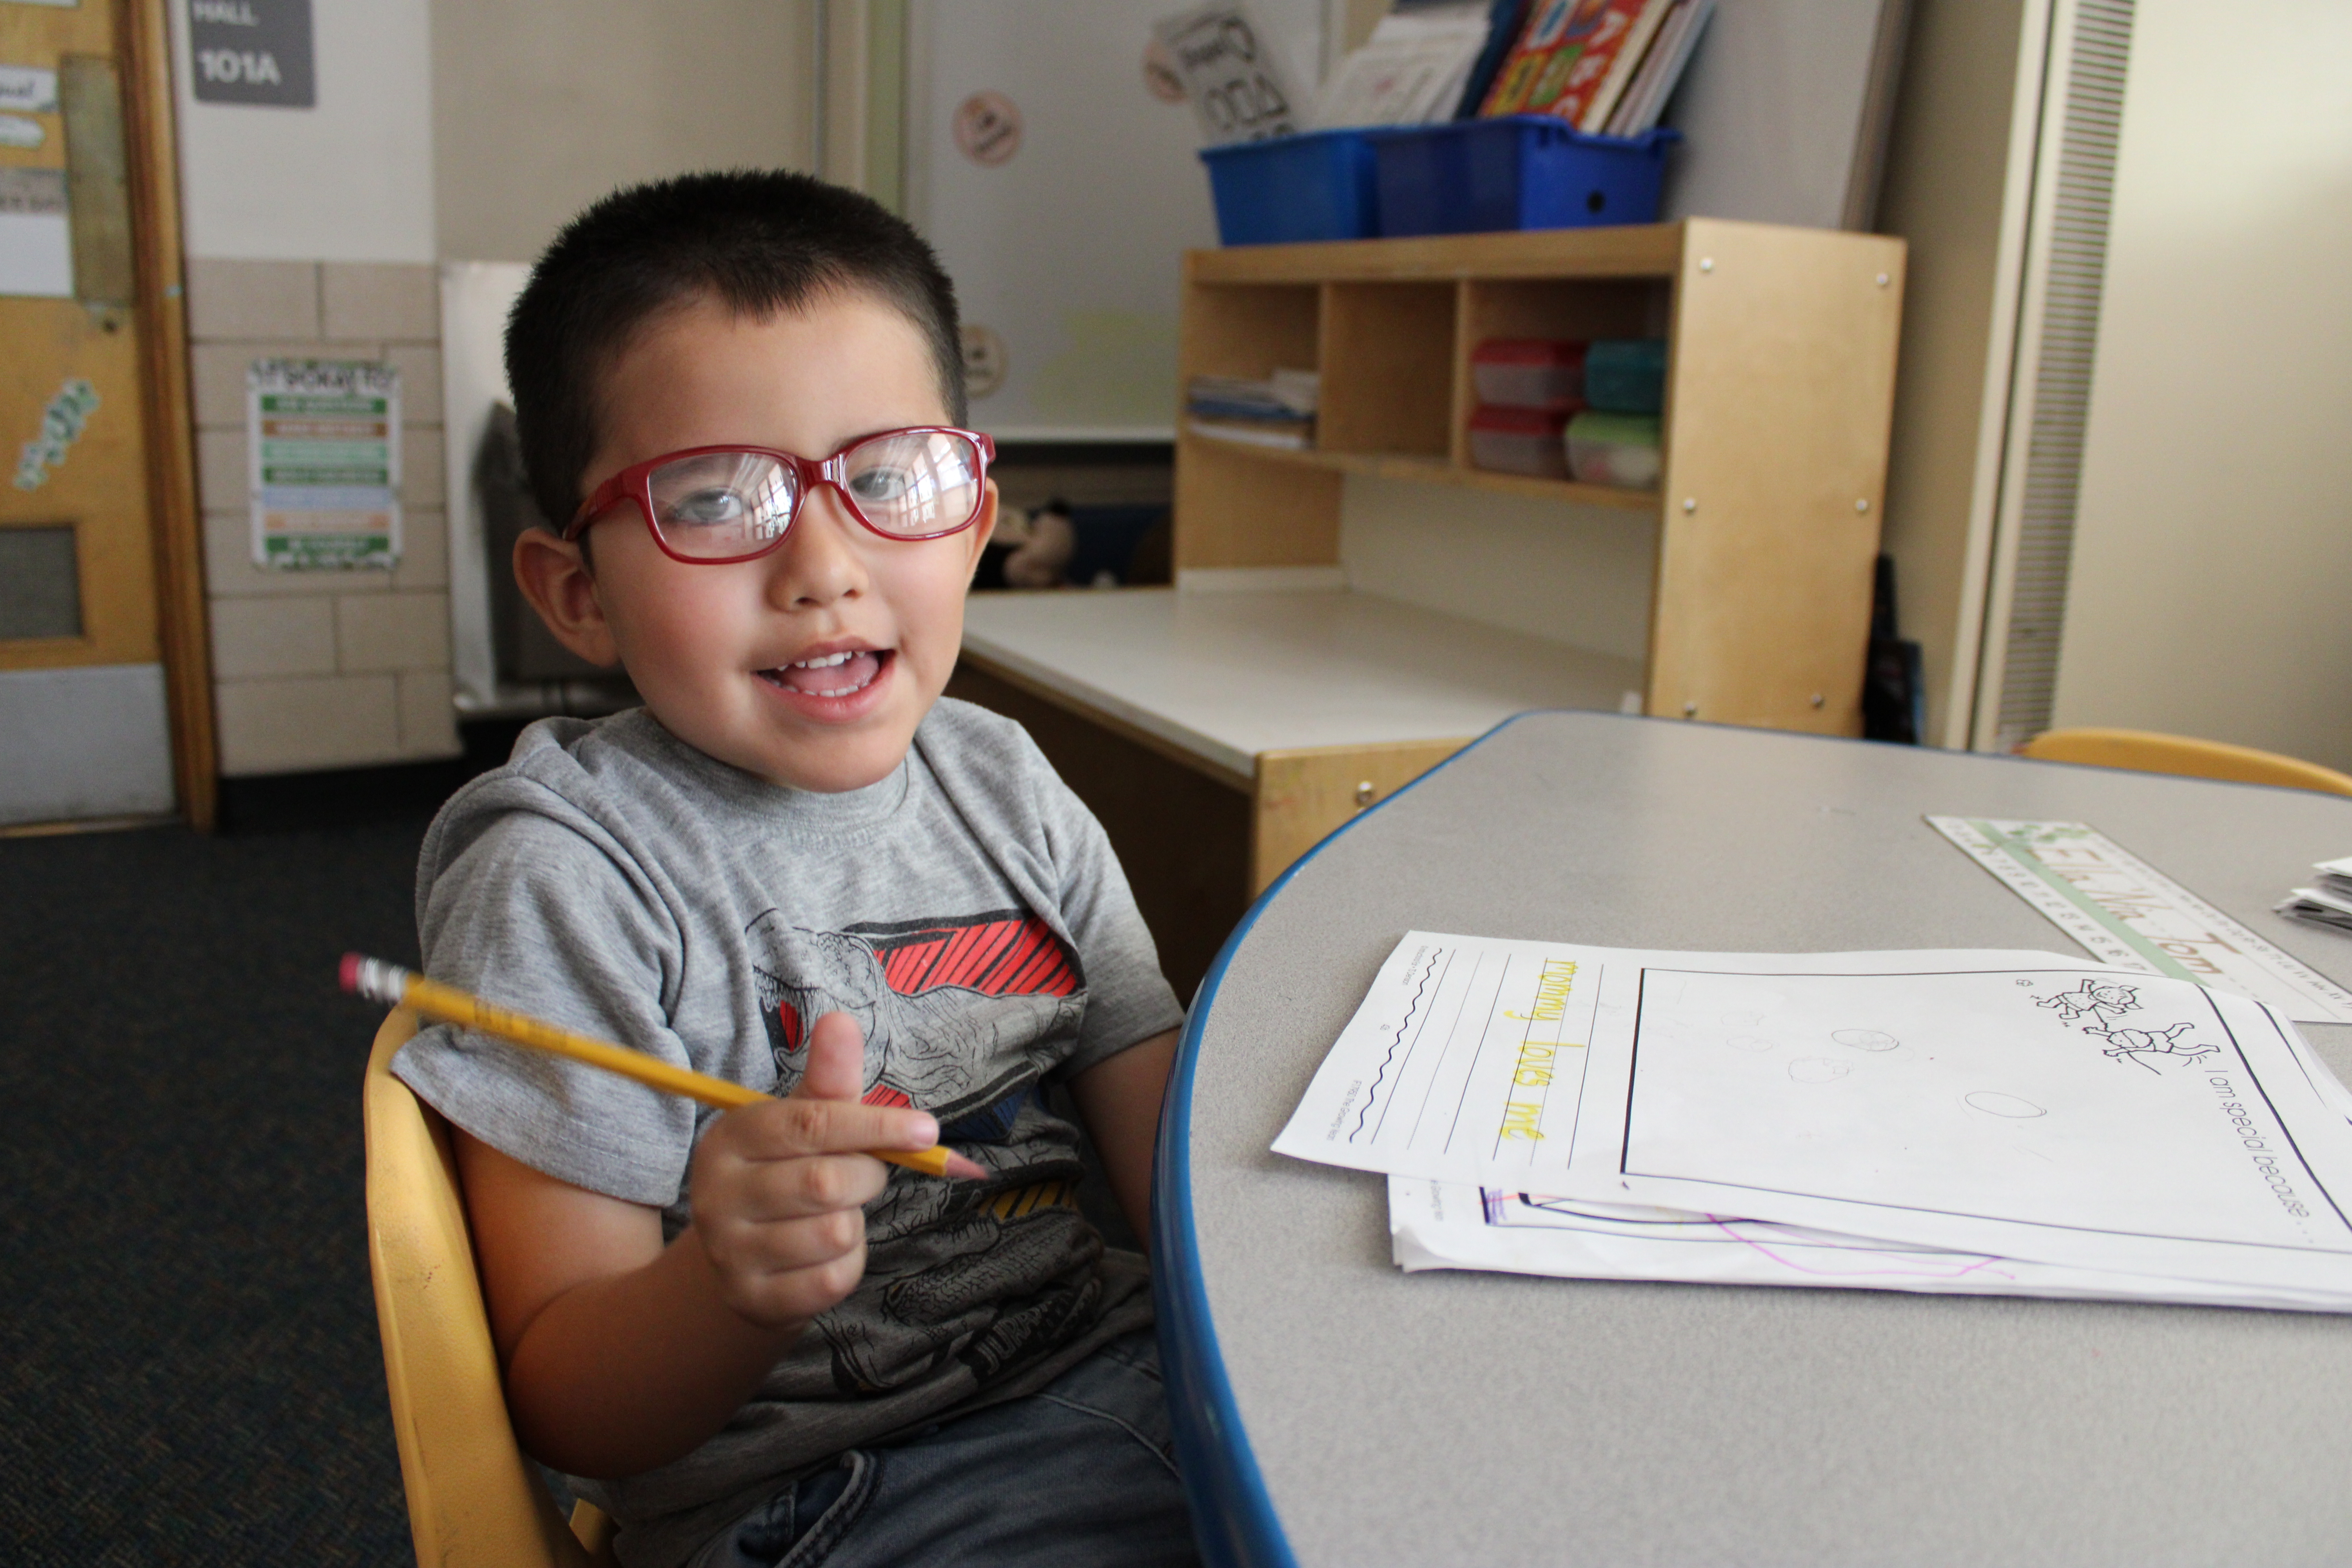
x: 40, y: 583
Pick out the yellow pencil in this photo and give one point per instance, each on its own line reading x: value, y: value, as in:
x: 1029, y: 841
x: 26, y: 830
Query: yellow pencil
x: 398, y: 987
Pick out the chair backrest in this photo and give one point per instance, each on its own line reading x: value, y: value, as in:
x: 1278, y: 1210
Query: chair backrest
x: 473, y: 1500
x: 2149, y: 753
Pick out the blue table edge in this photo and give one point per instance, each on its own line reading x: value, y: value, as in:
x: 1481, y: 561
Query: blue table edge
x: 1232, y: 1518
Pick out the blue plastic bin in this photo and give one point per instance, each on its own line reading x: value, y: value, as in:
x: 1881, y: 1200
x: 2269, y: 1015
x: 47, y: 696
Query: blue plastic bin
x: 1319, y: 185
x: 1517, y: 171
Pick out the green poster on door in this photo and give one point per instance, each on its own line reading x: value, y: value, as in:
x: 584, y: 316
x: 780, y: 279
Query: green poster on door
x: 322, y: 440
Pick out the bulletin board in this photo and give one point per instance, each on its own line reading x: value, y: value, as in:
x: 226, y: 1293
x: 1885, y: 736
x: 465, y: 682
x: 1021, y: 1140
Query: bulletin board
x: 1061, y: 190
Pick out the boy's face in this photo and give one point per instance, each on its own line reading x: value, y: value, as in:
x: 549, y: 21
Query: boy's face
x: 721, y: 654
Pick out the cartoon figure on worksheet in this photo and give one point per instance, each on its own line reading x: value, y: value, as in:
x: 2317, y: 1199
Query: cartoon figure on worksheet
x: 2130, y: 1044
x: 2101, y: 1001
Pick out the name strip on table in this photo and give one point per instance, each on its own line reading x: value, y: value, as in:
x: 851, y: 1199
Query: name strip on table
x: 2126, y: 912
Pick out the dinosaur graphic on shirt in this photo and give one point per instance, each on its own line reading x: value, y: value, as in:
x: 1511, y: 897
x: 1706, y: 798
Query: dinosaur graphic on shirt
x: 960, y: 1017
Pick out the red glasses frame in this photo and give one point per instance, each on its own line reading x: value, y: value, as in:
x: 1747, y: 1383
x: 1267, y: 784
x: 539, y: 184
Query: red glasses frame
x: 634, y: 484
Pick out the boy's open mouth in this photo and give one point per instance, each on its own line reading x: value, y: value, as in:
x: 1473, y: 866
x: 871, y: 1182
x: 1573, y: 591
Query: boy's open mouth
x: 842, y: 674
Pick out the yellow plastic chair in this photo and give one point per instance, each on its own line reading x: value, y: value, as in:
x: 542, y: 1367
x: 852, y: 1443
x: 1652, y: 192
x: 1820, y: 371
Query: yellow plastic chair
x: 2147, y: 751
x: 473, y: 1500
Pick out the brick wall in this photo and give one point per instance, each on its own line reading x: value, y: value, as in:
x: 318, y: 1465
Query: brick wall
x: 322, y: 669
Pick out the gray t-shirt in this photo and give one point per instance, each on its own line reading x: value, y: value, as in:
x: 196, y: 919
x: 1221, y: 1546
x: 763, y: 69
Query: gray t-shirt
x: 967, y: 910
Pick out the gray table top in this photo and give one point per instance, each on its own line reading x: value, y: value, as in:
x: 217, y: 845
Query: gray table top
x: 1459, y: 1416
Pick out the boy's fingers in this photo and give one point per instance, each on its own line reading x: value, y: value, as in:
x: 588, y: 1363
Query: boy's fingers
x: 836, y: 1064
x: 776, y: 1190
x: 791, y: 1128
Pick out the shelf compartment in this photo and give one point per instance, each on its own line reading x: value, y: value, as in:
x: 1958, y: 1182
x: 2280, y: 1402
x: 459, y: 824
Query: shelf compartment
x: 1578, y: 309
x: 1250, y: 329
x: 1434, y: 471
x: 1388, y: 349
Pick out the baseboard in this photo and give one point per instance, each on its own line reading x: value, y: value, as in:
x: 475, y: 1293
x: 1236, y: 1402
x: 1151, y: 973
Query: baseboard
x: 351, y: 797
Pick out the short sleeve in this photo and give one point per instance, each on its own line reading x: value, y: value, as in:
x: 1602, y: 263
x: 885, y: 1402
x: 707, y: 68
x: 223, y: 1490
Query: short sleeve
x: 1129, y: 1001
x: 549, y: 917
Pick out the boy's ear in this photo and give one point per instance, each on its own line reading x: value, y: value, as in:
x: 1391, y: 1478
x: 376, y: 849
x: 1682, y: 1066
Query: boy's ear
x: 555, y: 576
x: 977, y: 536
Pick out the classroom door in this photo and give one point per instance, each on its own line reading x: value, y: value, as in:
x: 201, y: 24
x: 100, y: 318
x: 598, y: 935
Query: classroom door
x: 84, y: 729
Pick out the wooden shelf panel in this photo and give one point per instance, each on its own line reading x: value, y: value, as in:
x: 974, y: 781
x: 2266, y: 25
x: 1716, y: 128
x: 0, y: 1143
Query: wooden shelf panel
x: 1438, y: 471
x: 1642, y: 250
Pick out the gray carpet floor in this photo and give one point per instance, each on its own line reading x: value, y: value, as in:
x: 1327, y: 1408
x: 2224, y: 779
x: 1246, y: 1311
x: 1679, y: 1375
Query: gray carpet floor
x: 189, y: 1371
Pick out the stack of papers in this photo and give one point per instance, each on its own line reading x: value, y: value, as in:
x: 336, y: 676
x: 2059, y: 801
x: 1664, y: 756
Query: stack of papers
x: 1979, y: 1122
x: 1278, y: 411
x: 2329, y: 902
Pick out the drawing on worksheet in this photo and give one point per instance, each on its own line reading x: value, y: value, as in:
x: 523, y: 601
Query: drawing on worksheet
x: 2104, y: 1003
x: 2016, y: 1105
x: 1809, y: 1253
x: 2105, y: 1000
x: 1884, y: 1094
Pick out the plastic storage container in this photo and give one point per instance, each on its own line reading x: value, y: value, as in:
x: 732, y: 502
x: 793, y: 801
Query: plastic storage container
x: 1318, y: 184
x: 1626, y: 375
x: 1519, y: 441
x: 1528, y: 372
x: 1517, y: 171
x: 1619, y: 449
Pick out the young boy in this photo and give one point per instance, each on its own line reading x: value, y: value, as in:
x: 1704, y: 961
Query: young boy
x: 797, y: 867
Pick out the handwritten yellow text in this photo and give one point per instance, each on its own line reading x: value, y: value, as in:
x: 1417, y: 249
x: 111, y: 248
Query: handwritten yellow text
x: 1552, y: 986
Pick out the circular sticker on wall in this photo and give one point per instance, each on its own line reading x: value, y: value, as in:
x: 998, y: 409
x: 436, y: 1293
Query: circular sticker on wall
x: 1159, y: 76
x: 988, y: 129
x: 984, y: 362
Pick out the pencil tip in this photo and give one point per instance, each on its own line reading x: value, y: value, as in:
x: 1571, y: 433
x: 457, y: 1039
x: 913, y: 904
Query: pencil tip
x: 965, y: 1170
x: 350, y: 971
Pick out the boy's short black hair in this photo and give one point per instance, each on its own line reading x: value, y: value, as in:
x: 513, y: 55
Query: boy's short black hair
x: 759, y: 241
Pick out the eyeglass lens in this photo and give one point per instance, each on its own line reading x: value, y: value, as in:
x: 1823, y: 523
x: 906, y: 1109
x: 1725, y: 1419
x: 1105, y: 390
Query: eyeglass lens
x: 722, y: 504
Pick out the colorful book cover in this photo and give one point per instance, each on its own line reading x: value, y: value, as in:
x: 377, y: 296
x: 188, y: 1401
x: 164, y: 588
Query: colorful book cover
x: 1626, y: 52
x: 1610, y: 35
x: 1536, y: 58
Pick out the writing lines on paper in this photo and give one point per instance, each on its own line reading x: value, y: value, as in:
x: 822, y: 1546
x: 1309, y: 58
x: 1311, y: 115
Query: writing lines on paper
x: 2127, y: 913
x: 1467, y: 1054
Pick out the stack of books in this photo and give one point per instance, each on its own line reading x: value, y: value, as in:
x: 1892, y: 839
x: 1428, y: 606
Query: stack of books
x: 1414, y: 70
x: 1278, y: 411
x: 1607, y: 67
x: 2330, y: 901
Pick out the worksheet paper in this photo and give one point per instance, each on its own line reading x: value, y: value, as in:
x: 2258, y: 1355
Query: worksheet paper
x: 2018, y: 1105
x: 2127, y: 913
x: 1452, y: 1225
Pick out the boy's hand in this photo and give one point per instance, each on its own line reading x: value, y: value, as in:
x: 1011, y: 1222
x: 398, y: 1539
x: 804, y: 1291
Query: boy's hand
x: 779, y: 1190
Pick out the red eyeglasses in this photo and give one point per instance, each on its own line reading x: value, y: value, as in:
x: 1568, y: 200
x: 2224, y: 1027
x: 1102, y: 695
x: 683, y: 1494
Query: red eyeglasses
x: 711, y: 506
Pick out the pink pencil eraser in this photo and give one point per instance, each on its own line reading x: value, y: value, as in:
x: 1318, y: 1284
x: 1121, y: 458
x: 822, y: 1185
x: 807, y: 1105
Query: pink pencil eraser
x: 350, y: 971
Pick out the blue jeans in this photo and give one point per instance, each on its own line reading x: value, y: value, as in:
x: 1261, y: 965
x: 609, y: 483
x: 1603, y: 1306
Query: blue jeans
x: 1078, y: 1474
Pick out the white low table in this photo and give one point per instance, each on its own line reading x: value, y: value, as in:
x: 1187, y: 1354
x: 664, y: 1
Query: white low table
x: 1312, y: 702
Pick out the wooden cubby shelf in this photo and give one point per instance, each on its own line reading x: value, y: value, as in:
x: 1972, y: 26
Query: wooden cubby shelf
x: 1780, y: 391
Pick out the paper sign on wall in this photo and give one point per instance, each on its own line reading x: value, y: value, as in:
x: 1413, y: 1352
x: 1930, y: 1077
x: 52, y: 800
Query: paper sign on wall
x: 35, y: 241
x: 1238, y: 87
x: 323, y: 439
x: 28, y: 89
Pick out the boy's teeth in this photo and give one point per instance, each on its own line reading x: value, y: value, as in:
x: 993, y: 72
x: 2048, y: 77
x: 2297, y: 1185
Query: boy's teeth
x: 835, y: 675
